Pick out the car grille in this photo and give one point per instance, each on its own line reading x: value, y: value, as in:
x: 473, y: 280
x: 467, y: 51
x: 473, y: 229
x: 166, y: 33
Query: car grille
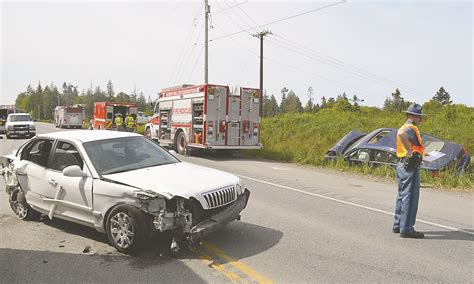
x: 220, y: 197
x: 21, y: 127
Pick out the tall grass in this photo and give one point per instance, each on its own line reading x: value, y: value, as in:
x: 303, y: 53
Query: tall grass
x: 305, y: 137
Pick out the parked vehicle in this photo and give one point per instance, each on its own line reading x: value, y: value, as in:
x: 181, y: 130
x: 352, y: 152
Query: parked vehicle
x: 5, y: 110
x: 379, y: 148
x: 69, y: 116
x: 142, y: 118
x: 20, y: 124
x: 121, y: 184
x: 206, y: 117
x: 105, y: 113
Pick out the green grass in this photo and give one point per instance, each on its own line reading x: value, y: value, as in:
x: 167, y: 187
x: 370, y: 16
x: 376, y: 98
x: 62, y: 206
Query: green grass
x: 305, y: 137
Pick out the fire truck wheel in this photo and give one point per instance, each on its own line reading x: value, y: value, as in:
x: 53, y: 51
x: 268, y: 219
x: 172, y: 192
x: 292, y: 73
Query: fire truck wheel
x: 148, y: 133
x: 181, y: 143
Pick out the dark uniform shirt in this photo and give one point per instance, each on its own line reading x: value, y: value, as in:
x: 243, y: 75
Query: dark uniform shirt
x: 411, y: 134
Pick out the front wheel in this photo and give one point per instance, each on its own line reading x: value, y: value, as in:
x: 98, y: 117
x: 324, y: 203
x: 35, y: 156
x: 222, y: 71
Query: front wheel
x: 20, y: 207
x: 181, y: 143
x: 148, y: 133
x: 128, y: 228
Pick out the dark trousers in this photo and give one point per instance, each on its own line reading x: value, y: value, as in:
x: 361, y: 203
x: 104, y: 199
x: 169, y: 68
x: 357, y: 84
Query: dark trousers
x: 407, y: 198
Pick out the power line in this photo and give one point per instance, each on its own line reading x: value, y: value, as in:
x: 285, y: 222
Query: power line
x: 332, y: 64
x: 280, y: 20
x: 189, y: 55
x: 175, y: 73
x: 320, y: 76
x: 232, y: 19
x: 238, y: 15
x: 349, y: 66
x: 236, y: 5
x: 248, y: 16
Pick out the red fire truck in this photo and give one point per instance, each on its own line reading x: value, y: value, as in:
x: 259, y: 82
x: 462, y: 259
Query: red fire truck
x: 69, y: 116
x: 206, y: 117
x: 105, y: 112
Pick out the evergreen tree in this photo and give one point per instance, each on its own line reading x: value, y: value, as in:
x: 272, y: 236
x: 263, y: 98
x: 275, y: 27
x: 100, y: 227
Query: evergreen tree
x: 324, y: 103
x: 110, y: 90
x: 309, y: 105
x: 443, y: 97
x: 396, y: 103
x: 331, y: 102
x: 292, y: 103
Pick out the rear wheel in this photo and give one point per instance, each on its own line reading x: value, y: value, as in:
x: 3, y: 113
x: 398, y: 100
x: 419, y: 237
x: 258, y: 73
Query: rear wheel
x: 181, y: 143
x: 128, y: 228
x: 20, y: 207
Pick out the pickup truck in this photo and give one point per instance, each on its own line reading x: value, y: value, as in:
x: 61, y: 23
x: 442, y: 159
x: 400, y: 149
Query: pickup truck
x: 20, y: 124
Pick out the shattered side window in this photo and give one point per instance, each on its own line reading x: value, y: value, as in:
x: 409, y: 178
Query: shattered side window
x: 66, y: 155
x: 38, y: 152
x: 377, y: 138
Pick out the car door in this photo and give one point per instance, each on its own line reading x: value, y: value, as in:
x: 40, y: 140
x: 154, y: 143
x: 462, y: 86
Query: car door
x: 31, y: 171
x: 73, y: 195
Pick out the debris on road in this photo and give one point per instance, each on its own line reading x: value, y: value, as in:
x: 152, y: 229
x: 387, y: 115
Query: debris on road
x: 86, y: 249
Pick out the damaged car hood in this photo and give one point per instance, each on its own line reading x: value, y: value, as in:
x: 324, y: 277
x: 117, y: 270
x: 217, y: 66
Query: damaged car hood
x: 181, y: 179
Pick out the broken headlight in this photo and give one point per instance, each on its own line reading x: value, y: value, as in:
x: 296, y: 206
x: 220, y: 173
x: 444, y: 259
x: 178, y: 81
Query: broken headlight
x: 154, y: 201
x: 240, y: 187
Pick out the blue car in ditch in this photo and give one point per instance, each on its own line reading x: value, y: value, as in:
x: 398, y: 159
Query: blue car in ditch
x: 379, y: 148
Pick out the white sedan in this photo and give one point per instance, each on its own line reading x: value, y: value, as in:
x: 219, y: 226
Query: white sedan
x: 122, y: 184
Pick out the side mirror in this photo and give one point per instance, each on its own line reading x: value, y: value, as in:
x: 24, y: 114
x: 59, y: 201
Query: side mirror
x: 73, y: 171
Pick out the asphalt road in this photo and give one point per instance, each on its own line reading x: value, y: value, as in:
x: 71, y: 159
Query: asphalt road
x: 301, y: 225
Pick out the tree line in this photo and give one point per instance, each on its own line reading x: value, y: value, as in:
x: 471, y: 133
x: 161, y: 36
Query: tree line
x: 291, y: 103
x: 41, y: 101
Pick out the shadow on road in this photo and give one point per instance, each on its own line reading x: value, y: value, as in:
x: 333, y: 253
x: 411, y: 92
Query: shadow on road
x: 223, y: 155
x: 26, y: 266
x: 238, y: 240
x: 450, y: 235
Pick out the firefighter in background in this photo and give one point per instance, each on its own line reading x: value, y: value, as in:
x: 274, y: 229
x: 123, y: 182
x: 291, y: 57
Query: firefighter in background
x: 118, y: 122
x: 91, y: 124
x: 130, y: 123
x: 410, y: 152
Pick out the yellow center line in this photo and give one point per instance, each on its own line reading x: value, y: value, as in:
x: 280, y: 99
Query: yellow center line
x: 219, y: 267
x: 237, y: 264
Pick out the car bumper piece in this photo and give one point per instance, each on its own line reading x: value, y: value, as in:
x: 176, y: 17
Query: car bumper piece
x: 219, y: 220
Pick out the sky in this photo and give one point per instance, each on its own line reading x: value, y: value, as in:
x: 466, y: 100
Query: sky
x: 363, y: 48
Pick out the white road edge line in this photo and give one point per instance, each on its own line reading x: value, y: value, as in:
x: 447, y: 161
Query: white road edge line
x: 354, y: 204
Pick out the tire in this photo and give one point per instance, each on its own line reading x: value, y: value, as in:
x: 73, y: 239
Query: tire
x: 181, y: 143
x: 148, y: 133
x: 128, y: 229
x: 20, y: 207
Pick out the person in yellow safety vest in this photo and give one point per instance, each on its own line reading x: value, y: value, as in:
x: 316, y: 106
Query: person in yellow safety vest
x: 130, y: 122
x: 118, y: 122
x: 410, y: 152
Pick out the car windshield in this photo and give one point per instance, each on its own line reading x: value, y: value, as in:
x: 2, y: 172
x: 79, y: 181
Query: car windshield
x: 126, y: 154
x: 19, y: 117
x: 432, y: 143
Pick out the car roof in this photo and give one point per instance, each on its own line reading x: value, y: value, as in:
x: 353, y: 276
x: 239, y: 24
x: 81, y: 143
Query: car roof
x: 88, y: 135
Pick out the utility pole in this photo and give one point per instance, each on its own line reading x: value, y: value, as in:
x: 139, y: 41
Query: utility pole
x: 207, y: 10
x: 261, y: 35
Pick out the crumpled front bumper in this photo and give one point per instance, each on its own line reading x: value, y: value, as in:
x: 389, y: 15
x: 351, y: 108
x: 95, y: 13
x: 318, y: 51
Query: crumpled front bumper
x: 219, y: 220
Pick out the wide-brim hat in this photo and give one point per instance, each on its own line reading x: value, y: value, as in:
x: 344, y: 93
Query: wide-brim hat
x: 415, y: 109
